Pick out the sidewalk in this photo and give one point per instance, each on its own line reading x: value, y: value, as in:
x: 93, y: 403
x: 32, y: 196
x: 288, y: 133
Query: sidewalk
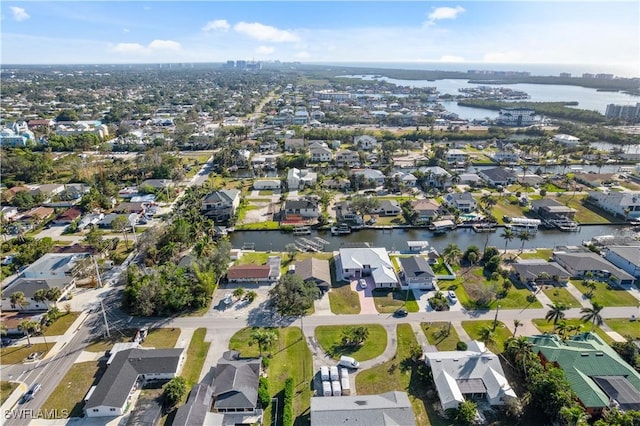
x: 61, y: 341
x: 462, y: 333
x: 578, y: 295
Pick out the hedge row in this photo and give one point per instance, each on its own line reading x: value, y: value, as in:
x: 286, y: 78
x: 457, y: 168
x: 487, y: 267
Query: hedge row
x: 263, y: 392
x: 287, y: 415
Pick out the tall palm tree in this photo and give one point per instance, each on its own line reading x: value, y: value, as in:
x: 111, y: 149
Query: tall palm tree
x: 523, y: 236
x: 516, y: 323
x: 451, y: 253
x: 488, y: 200
x: 27, y: 326
x: 592, y: 314
x: 556, y: 312
x: 561, y: 328
x: 19, y: 299
x: 575, y: 415
x: 487, y: 335
x: 507, y: 235
x: 40, y: 295
x: 264, y: 338
x: 521, y: 348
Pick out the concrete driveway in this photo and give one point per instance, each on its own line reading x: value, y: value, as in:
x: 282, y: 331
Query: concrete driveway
x: 367, y: 305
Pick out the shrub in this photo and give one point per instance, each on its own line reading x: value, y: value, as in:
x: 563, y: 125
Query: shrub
x: 287, y: 414
x: 461, y: 346
x: 175, y: 390
x: 265, y: 362
x: 263, y: 392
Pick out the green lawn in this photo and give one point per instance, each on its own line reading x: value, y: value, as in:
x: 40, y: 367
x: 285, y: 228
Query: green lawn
x: 561, y: 295
x: 504, y: 208
x: 446, y: 343
x: 387, y: 301
x: 17, y: 354
x: 343, y: 300
x: 547, y: 327
x: 196, y: 354
x: 329, y: 337
x: 538, y: 254
x: 290, y: 357
x: 255, y: 258
x: 516, y: 297
x: 61, y: 325
x: 500, y: 335
x: 261, y: 226
x: 585, y: 213
x: 159, y: 338
x: 68, y: 395
x: 401, y: 374
x: 624, y: 326
x: 6, y: 388
x: 608, y: 296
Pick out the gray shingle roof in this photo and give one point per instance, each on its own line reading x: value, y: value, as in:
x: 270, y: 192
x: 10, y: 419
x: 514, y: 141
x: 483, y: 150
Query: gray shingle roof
x: 314, y: 269
x: 416, y: 267
x: 387, y: 409
x: 194, y: 411
x: 236, y: 382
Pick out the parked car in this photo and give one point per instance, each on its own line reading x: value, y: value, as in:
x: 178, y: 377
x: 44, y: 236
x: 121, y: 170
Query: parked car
x: 400, y: 313
x: 349, y: 362
x: 31, y: 392
x: 452, y: 297
x: 362, y: 282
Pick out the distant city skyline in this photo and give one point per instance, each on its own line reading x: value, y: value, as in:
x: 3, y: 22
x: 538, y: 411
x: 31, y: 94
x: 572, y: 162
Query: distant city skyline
x: 603, y: 36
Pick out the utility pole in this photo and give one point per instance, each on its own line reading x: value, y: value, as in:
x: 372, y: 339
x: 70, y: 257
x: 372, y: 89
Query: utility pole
x: 104, y: 316
x: 95, y: 265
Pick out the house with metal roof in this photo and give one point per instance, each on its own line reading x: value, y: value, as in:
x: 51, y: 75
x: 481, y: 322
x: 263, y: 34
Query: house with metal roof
x: 368, y: 261
x: 128, y: 371
x: 390, y: 408
x: 475, y: 373
x: 626, y: 258
x: 596, y: 373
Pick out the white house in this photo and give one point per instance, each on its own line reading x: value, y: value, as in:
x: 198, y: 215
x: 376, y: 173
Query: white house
x: 456, y: 156
x: 368, y: 261
x: 506, y: 157
x: 347, y: 158
x: 475, y: 374
x: 371, y: 175
x: 462, y: 201
x: 266, y: 184
x: 623, y: 204
x: 566, y: 139
x: 298, y: 179
x: 435, y: 176
x: 626, y: 258
x: 517, y: 116
x: 365, y: 142
x: 320, y: 154
x: 128, y: 371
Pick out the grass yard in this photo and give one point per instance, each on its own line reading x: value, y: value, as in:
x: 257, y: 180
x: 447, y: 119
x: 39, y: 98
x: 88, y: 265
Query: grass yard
x: 607, y: 296
x: 401, y: 374
x: 504, y: 208
x: 561, y: 295
x: 537, y: 254
x: 473, y: 280
x: 290, y: 357
x: 6, y: 388
x: 255, y: 258
x: 329, y: 337
x: 61, y: 324
x: 159, y: 338
x: 388, y: 301
x: 445, y: 343
x: 500, y: 335
x: 585, y: 213
x: 624, y: 326
x: 343, y: 300
x: 196, y: 354
x: 262, y: 226
x: 68, y: 395
x: 17, y: 354
x: 547, y: 327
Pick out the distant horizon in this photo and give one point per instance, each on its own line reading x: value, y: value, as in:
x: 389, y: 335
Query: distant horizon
x: 536, y: 69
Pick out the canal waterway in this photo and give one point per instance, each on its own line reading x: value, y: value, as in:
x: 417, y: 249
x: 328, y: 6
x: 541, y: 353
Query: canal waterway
x: 396, y: 239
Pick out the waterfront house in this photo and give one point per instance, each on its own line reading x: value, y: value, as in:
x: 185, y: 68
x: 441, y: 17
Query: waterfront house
x: 316, y: 271
x: 221, y: 205
x: 517, y: 116
x: 626, y: 258
x: 390, y: 408
x: 389, y: 208
x: 540, y: 272
x: 549, y: 209
x: 596, y: 373
x: 498, y: 176
x: 566, y: 139
x: 262, y: 184
x: 299, y: 179
x: 128, y: 371
x: 368, y: 261
x: 464, y: 201
x: 347, y: 158
x: 416, y: 273
x: 345, y: 213
x: 474, y: 374
x: 506, y: 157
x: 585, y: 264
x: 257, y: 274
x: 305, y: 208
x: 435, y: 177
x: 427, y: 209
x: 621, y: 204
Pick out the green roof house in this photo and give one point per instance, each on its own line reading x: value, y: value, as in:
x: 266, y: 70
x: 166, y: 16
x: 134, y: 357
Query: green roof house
x: 596, y: 373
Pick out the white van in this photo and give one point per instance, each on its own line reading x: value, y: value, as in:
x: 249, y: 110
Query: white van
x: 349, y: 362
x: 333, y: 373
x: 324, y: 373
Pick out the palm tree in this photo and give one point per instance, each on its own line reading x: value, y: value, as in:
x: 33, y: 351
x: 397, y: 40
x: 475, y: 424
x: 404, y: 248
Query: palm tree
x: 27, y: 325
x: 488, y: 201
x: 40, y: 295
x: 238, y: 292
x: 263, y: 337
x: 592, y: 314
x: 487, y: 335
x: 451, y: 254
x: 507, y: 235
x: 556, y: 312
x: 523, y: 236
x: 19, y: 299
x: 54, y: 294
x: 521, y: 348
x: 516, y: 323
x: 575, y: 415
x: 561, y: 328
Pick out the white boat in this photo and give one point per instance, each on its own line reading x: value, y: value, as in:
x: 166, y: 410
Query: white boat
x: 341, y: 229
x: 524, y: 224
x: 301, y: 230
x: 442, y: 226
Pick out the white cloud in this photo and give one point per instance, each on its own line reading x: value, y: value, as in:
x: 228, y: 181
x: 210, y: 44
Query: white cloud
x: 19, y: 14
x: 451, y: 58
x: 439, y: 13
x: 265, y: 50
x: 505, y: 57
x: 154, y: 46
x: 303, y: 55
x: 217, y: 25
x: 263, y: 32
x: 125, y: 30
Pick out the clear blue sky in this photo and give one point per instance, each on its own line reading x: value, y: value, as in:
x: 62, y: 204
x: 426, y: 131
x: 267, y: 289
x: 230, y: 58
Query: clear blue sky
x: 570, y: 32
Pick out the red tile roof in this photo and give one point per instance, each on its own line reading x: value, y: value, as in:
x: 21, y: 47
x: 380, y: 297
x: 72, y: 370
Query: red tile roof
x: 248, y: 272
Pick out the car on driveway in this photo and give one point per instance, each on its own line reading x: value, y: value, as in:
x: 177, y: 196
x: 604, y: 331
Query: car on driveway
x: 400, y: 313
x: 452, y: 297
x: 362, y: 282
x: 31, y: 392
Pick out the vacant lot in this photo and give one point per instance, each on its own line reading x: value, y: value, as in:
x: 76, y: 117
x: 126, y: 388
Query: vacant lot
x: 387, y: 301
x: 329, y: 337
x: 441, y: 334
x: 625, y: 327
x: 343, y: 300
x: 561, y: 295
x: 159, y: 338
x: 608, y: 296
